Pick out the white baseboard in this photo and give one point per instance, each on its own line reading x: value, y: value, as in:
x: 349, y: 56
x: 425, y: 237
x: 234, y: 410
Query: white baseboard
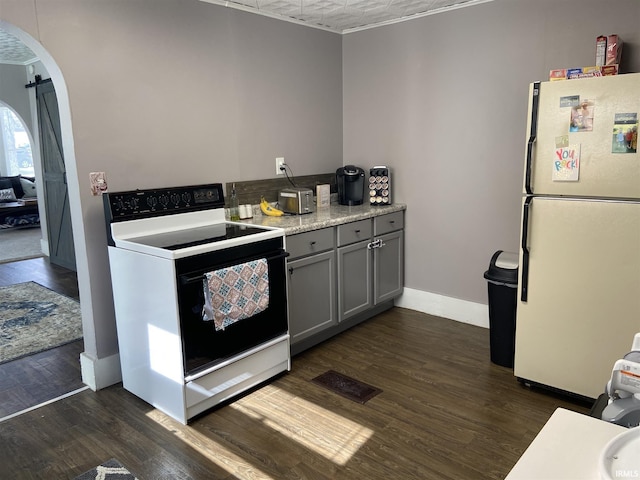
x: 99, y: 373
x: 447, y: 307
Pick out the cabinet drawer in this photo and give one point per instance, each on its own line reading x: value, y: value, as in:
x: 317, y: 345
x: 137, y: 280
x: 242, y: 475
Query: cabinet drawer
x: 237, y: 375
x: 388, y: 223
x: 354, y: 232
x: 310, y: 242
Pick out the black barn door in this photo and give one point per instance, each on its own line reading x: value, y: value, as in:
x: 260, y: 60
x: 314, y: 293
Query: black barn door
x: 59, y: 233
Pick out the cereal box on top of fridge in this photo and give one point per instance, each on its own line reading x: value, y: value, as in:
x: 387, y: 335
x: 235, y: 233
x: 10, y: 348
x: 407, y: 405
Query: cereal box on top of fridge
x: 601, y: 50
x: 614, y: 50
x: 559, y: 74
x: 584, y: 72
x: 609, y: 70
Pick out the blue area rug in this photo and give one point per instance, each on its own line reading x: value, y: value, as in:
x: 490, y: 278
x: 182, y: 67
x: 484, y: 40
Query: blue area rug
x: 34, y: 318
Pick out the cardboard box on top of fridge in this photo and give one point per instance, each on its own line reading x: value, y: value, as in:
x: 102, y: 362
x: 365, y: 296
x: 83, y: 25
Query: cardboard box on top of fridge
x: 608, y: 50
x: 601, y: 50
x: 614, y: 50
x: 558, y: 74
x: 583, y: 72
x: 607, y: 70
x: 586, y: 72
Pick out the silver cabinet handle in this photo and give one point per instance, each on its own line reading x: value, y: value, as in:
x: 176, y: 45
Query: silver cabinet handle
x: 375, y: 244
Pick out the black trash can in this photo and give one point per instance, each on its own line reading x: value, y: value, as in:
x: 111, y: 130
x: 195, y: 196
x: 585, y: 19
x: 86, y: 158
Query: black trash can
x: 503, y: 290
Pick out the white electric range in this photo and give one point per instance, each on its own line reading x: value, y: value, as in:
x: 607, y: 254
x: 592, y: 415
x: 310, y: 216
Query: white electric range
x: 201, y: 308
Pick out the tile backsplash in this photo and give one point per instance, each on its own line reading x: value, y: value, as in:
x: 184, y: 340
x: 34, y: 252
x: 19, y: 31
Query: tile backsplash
x: 251, y: 191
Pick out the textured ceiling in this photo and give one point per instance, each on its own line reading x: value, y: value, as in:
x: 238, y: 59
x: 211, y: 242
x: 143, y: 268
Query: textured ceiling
x: 344, y: 16
x: 13, y: 51
x: 340, y: 16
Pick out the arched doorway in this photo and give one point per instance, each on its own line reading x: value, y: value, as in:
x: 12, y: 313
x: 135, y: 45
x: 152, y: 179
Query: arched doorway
x: 22, y: 232
x: 96, y: 372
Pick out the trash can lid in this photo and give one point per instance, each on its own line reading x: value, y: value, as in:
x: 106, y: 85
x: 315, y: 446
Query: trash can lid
x: 507, y: 260
x: 503, y: 268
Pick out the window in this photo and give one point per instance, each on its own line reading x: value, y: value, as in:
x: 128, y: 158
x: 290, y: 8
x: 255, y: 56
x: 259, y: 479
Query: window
x: 15, y: 154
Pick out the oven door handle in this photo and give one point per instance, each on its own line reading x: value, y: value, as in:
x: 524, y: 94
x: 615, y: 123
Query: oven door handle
x: 184, y: 280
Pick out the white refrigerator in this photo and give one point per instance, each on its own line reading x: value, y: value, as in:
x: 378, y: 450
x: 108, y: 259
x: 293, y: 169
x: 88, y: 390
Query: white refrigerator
x: 579, y: 273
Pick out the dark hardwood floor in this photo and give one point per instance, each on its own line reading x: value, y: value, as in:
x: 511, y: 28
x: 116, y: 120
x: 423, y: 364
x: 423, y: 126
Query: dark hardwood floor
x: 39, y: 270
x: 38, y: 378
x: 445, y: 412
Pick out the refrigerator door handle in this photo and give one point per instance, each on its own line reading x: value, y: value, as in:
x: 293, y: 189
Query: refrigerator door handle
x: 524, y: 281
x: 532, y: 137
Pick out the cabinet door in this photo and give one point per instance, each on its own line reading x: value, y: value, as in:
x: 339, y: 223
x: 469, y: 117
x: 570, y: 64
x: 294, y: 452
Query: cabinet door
x: 389, y: 267
x: 312, y: 300
x: 355, y: 279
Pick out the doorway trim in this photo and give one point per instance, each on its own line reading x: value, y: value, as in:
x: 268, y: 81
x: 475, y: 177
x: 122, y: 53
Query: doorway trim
x: 97, y: 372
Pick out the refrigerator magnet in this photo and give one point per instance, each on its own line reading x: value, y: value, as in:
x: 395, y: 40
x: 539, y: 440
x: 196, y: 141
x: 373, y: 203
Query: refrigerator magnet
x: 566, y: 164
x: 569, y: 101
x: 625, y: 133
x: 582, y: 117
x: 562, y: 141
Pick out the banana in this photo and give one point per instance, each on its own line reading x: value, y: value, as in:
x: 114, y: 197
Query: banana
x: 269, y: 210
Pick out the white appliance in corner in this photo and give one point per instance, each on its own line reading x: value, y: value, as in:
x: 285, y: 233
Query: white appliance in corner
x: 579, y: 286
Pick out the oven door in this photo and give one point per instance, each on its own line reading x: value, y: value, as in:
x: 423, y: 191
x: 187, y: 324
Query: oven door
x: 203, y: 344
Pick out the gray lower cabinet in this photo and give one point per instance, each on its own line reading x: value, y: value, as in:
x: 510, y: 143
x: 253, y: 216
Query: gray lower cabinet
x: 311, y: 283
x: 355, y: 279
x: 370, y: 272
x: 388, y: 265
x: 340, y: 276
x: 388, y: 251
x: 312, y: 305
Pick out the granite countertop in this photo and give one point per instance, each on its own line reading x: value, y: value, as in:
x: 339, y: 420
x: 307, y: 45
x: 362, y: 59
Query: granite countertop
x: 324, y: 217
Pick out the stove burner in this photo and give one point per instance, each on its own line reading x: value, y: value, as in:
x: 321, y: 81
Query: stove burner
x: 190, y: 237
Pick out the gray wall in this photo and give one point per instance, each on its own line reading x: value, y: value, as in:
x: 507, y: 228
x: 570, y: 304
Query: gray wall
x: 443, y: 99
x: 166, y: 92
x: 13, y: 78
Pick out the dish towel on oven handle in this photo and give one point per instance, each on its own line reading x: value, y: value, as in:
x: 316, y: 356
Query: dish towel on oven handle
x: 234, y: 293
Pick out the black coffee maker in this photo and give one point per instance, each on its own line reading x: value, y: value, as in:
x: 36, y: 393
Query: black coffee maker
x: 350, y: 184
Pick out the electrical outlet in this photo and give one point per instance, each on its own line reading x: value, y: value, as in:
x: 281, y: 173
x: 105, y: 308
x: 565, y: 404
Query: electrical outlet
x: 280, y: 166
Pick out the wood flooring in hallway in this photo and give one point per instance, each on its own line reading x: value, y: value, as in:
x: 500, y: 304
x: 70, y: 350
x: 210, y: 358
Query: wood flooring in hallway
x: 38, y: 378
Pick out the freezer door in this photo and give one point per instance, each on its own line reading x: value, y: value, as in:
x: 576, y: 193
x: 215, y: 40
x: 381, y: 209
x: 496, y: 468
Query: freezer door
x: 583, y: 303
x: 601, y: 172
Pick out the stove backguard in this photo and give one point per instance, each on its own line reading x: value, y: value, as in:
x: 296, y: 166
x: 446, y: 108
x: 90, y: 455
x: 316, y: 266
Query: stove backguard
x: 139, y: 204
